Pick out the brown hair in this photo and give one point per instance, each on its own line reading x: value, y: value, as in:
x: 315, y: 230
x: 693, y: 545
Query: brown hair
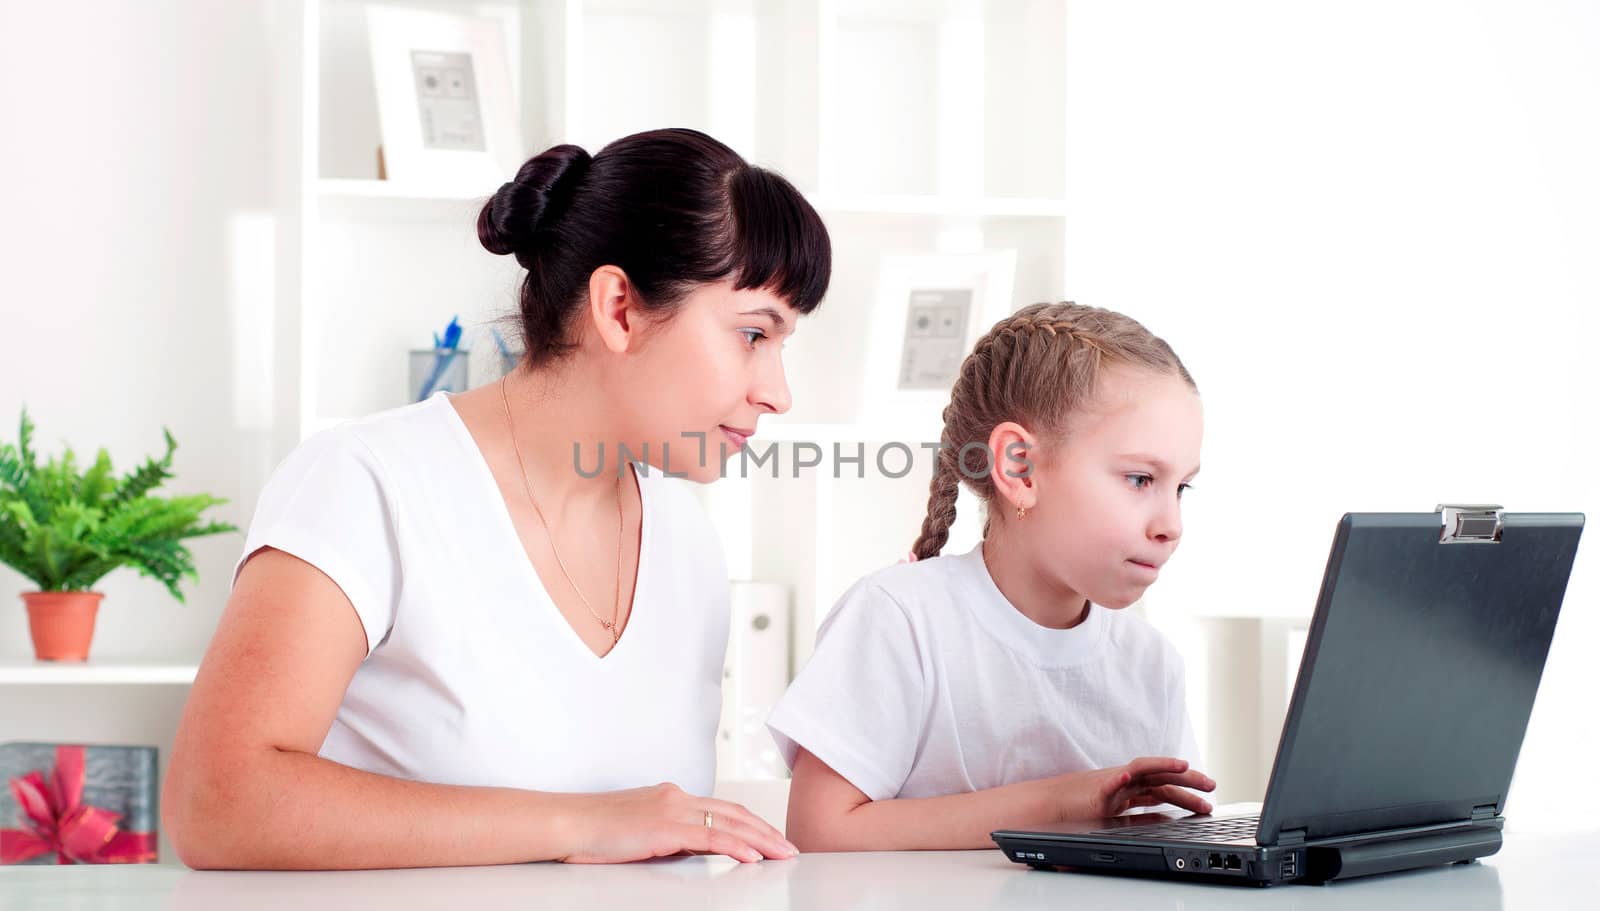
x: 1034, y: 367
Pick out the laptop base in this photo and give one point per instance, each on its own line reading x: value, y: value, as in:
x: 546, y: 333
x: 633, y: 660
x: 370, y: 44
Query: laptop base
x: 1368, y: 858
x: 1256, y: 865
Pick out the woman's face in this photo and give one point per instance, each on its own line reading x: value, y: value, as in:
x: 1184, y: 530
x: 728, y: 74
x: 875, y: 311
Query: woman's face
x: 702, y: 379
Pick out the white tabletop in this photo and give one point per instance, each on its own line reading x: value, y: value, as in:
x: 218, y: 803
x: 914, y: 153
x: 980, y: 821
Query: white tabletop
x: 1531, y: 871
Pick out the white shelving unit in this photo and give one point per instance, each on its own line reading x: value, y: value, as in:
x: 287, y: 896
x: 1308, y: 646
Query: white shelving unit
x: 94, y: 672
x: 912, y: 126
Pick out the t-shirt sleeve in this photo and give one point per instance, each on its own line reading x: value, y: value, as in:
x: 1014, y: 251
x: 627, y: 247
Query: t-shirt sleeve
x: 328, y: 504
x: 859, y: 703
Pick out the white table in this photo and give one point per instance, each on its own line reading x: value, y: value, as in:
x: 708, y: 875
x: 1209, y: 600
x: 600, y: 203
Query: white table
x: 1531, y: 871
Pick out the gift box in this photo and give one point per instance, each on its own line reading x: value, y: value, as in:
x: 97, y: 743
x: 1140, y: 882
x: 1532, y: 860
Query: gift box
x: 66, y: 804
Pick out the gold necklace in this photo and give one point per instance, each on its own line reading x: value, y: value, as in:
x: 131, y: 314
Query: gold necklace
x: 610, y: 626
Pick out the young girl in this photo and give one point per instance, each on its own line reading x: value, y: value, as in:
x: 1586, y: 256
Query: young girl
x: 1004, y: 687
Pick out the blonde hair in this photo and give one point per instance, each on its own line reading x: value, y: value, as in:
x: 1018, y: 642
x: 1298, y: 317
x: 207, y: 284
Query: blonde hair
x: 1035, y: 367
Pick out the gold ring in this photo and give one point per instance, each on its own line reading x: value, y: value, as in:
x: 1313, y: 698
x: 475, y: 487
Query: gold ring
x: 708, y: 819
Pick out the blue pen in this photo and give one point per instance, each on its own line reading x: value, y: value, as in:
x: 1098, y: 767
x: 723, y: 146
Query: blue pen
x: 444, y: 354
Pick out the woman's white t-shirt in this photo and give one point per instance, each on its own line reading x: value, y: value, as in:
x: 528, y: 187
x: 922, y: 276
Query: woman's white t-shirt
x: 473, y: 676
x: 926, y: 681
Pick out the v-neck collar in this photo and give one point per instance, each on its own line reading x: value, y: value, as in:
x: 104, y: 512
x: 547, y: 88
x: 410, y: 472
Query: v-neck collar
x: 531, y: 575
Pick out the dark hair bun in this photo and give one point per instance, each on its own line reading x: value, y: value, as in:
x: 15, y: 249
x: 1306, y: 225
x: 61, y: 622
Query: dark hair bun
x: 672, y: 208
x: 531, y: 200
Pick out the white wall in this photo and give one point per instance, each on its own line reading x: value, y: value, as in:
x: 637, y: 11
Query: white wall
x: 135, y: 132
x: 1370, y: 230
x: 135, y: 265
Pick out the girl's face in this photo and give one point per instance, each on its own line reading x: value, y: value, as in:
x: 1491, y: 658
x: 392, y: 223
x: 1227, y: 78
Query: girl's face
x: 708, y: 374
x: 1107, y: 514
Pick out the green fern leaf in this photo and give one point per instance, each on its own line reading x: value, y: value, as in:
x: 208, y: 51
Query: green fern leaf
x: 65, y: 530
x: 96, y: 482
x: 148, y: 476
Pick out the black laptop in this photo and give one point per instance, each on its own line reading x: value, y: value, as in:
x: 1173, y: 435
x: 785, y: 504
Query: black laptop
x: 1419, y: 674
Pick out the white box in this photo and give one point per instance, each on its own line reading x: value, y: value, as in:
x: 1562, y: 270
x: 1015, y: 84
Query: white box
x: 754, y: 676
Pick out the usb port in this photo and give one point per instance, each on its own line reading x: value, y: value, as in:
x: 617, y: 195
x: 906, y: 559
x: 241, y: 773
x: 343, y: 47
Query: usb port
x: 1290, y: 867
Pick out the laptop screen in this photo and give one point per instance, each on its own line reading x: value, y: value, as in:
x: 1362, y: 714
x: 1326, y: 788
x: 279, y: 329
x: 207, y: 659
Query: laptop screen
x: 1419, y: 673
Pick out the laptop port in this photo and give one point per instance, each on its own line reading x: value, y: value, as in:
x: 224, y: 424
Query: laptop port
x: 1214, y: 861
x: 1232, y: 862
x: 1180, y: 863
x: 1290, y: 867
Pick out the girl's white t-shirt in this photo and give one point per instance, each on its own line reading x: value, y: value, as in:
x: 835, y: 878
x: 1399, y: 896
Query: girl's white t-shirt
x: 472, y: 675
x: 926, y: 682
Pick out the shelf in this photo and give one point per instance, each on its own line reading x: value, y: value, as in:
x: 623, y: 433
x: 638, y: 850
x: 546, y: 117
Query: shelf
x: 338, y: 189
x: 950, y: 206
x: 21, y: 671
x: 386, y: 202
x: 342, y: 188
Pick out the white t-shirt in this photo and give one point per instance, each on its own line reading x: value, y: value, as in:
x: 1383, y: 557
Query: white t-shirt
x: 927, y: 682
x: 472, y: 675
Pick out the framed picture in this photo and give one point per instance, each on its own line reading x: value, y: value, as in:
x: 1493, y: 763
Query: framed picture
x: 928, y: 312
x: 446, y: 109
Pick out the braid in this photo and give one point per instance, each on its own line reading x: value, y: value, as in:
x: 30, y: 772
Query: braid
x: 942, y: 493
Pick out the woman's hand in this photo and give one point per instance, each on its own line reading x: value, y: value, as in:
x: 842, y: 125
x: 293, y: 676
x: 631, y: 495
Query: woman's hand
x: 663, y: 820
x: 1147, y: 782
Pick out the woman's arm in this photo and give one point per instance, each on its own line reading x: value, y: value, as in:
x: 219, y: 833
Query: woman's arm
x: 246, y: 789
x: 828, y: 813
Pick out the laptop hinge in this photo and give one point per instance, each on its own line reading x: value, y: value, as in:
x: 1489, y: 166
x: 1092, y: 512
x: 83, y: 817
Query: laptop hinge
x: 1478, y: 524
x: 1487, y: 811
x: 1290, y: 837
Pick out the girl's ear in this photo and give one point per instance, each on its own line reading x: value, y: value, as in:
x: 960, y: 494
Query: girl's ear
x: 1012, y: 448
x: 612, y: 310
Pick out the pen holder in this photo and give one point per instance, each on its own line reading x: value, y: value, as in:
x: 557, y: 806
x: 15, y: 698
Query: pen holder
x: 435, y: 369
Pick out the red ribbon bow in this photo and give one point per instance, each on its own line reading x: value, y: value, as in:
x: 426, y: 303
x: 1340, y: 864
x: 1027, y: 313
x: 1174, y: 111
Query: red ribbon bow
x: 56, y: 822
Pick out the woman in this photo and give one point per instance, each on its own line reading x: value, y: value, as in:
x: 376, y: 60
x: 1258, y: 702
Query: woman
x: 466, y: 631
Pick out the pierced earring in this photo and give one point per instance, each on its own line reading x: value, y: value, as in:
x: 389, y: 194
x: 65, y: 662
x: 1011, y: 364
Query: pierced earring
x: 1022, y: 513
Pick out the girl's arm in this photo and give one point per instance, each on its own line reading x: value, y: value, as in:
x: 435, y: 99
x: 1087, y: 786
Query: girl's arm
x: 246, y: 788
x: 828, y: 813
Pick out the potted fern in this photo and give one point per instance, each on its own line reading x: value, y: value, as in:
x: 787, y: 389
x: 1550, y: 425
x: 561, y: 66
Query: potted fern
x: 64, y: 531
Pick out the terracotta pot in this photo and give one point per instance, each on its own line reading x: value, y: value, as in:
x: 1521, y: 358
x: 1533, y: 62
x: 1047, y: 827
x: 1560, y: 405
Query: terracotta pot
x: 62, y: 623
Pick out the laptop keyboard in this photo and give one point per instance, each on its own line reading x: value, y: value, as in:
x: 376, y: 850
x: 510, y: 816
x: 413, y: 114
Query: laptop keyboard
x: 1225, y: 829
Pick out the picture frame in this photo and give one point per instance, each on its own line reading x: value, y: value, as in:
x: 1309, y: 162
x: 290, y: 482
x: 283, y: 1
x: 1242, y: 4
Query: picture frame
x: 446, y: 105
x: 928, y: 311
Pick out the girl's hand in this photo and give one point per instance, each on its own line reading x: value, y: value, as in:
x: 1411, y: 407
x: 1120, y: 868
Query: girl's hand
x: 663, y: 820
x: 1146, y: 782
